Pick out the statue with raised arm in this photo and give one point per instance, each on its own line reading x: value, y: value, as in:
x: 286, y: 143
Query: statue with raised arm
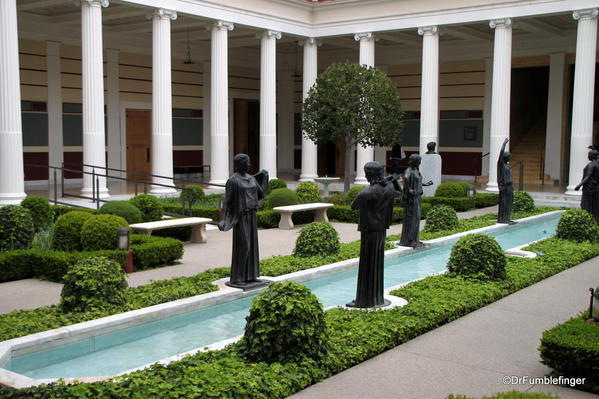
x: 412, y: 193
x: 590, y: 186
x: 243, y: 195
x: 506, y: 185
x: 375, y: 204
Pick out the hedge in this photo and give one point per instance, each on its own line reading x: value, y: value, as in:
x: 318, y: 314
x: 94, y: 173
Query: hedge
x: 483, y: 200
x: 571, y: 349
x: 459, y: 204
x: 197, y: 211
x: 344, y: 213
x: 353, y: 338
x: 59, y: 210
x: 149, y: 252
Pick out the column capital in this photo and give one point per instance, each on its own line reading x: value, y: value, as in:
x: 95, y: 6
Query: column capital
x: 363, y: 36
x: 428, y: 30
x: 500, y: 22
x: 310, y: 41
x: 93, y: 3
x: 163, y: 13
x: 220, y: 25
x: 585, y: 14
x: 270, y: 34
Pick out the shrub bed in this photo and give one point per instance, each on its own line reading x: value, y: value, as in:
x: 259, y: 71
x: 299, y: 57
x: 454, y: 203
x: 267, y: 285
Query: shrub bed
x: 150, y: 207
x: 451, y: 190
x: 441, y: 217
x: 523, y: 201
x: 308, y: 192
x: 280, y: 197
x: 16, y: 228
x: 483, y: 200
x: 149, y: 251
x: 318, y: 238
x: 100, y: 232
x: 124, y: 209
x: 67, y: 231
x: 273, y: 184
x: 477, y: 256
x: 41, y: 213
x: 59, y: 210
x: 578, y: 225
x: 197, y: 211
x: 571, y: 349
x: 458, y: 204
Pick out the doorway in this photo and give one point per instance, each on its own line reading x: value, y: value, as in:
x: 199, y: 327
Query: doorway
x: 246, y: 124
x: 139, y: 141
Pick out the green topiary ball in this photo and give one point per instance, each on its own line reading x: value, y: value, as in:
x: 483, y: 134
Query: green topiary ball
x: 150, y: 207
x: 281, y: 197
x: 100, y: 232
x: 441, y: 217
x: 286, y: 324
x: 40, y: 209
x: 94, y: 283
x: 16, y: 228
x: 337, y: 199
x: 317, y: 238
x: 478, y: 256
x: 523, y: 202
x: 273, y: 184
x: 352, y: 193
x: 577, y: 225
x: 308, y: 192
x: 124, y: 209
x: 67, y: 231
x: 451, y: 190
x: 191, y: 194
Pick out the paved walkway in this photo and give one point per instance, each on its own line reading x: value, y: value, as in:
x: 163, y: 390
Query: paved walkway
x: 473, y: 354
x: 33, y: 293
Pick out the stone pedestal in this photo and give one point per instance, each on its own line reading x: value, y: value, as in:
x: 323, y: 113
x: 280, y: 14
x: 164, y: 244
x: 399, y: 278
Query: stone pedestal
x: 430, y: 169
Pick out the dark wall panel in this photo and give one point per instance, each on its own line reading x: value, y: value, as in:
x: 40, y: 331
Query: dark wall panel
x: 182, y: 158
x: 36, y: 158
x: 188, y: 131
x: 453, y: 163
x: 72, y: 127
x: 71, y: 160
x: 461, y: 133
x: 35, y: 129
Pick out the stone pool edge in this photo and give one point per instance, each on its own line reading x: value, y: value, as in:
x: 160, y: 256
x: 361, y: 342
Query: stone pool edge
x: 63, y: 335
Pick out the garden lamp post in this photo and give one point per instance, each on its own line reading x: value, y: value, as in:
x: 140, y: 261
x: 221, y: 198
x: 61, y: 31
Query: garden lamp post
x: 470, y: 192
x: 594, y: 304
x: 123, y: 240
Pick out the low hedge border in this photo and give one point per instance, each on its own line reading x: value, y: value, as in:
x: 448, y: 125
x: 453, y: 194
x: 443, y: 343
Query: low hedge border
x: 59, y: 210
x: 354, y: 337
x: 571, y: 349
x: 344, y: 213
x: 148, y: 252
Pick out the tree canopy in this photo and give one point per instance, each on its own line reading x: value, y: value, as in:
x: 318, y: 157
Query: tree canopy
x: 356, y: 103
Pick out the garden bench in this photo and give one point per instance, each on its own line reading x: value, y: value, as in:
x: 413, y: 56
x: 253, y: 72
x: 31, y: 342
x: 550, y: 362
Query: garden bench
x: 198, y: 234
x: 286, y: 221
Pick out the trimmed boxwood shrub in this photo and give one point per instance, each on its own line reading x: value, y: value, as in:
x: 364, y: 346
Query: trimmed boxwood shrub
x: 67, y: 231
x: 273, y: 184
x: 478, y: 256
x: 441, y: 217
x: 523, y: 202
x: 124, y: 209
x: 451, y: 190
x: 483, y: 200
x: 459, y: 204
x: 268, y: 219
x: 93, y: 284
x: 285, y: 324
x: 577, y: 225
x: 343, y: 213
x: 571, y: 349
x: 352, y: 193
x: 318, y: 238
x: 308, y: 192
x: 16, y: 228
x: 100, y: 232
x: 281, y: 197
x: 59, y: 210
x: 150, y: 207
x: 150, y: 251
x: 41, y: 213
x: 337, y: 199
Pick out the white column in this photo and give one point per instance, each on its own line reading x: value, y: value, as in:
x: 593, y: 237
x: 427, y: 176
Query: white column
x: 268, y: 102
x: 487, y: 115
x: 219, y: 104
x: 555, y: 119
x: 309, y: 148
x: 285, y: 110
x: 162, y: 109
x: 206, y: 113
x: 113, y: 111
x: 55, y: 142
x: 584, y: 87
x: 12, y: 180
x: 92, y: 76
x: 500, y: 102
x: 364, y: 154
x: 429, y: 99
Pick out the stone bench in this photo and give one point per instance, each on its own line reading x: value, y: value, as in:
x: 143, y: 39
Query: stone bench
x: 198, y: 234
x: 287, y: 212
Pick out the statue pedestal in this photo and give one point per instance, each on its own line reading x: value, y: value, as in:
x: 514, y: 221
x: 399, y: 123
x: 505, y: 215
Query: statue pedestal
x: 430, y: 169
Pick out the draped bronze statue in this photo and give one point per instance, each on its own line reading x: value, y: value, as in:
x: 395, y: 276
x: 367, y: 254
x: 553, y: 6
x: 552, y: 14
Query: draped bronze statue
x: 375, y: 204
x: 243, y: 195
x: 412, y: 193
x: 590, y: 186
x: 506, y: 186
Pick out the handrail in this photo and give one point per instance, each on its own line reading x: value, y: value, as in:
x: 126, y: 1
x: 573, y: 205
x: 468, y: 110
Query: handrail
x: 482, y: 156
x: 131, y: 172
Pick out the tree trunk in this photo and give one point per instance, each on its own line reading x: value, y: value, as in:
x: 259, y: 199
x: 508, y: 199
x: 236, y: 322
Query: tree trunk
x: 348, y: 150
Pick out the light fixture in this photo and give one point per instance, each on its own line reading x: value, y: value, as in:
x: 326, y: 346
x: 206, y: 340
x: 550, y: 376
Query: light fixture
x: 470, y: 192
x: 123, y: 242
x: 594, y: 305
x: 188, y: 60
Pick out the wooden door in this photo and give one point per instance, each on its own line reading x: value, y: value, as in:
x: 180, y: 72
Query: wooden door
x: 139, y: 141
x: 246, y: 129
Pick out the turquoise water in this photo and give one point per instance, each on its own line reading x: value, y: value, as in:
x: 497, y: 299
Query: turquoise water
x: 118, y: 351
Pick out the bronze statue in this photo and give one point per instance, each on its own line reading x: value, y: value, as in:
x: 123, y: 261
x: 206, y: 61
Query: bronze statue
x: 506, y: 186
x: 375, y: 204
x: 243, y: 195
x: 431, y: 147
x: 590, y: 186
x: 412, y: 193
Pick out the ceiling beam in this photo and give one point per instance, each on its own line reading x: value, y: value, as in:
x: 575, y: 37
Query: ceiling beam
x: 467, y: 33
x: 33, y: 5
x: 537, y: 26
x: 399, y: 39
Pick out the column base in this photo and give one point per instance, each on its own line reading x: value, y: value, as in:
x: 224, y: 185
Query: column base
x: 492, y: 187
x: 104, y: 194
x: 361, y: 181
x: 217, y: 183
x: 12, y: 198
x: 570, y: 191
x: 307, y: 177
x: 159, y: 190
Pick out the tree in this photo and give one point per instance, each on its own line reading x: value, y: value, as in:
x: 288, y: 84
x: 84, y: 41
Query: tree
x: 356, y: 103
